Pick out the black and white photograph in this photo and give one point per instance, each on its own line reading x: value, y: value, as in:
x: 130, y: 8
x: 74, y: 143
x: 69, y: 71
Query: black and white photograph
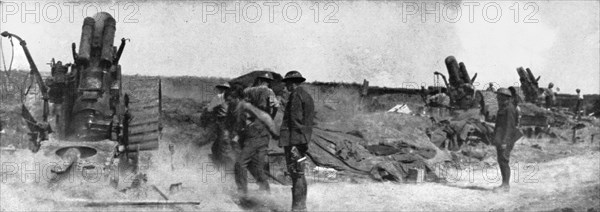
x: 307, y: 105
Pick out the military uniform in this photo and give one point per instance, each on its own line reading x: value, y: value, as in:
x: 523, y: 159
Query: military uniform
x: 506, y: 134
x: 254, y: 138
x: 549, y: 96
x: 263, y: 98
x: 221, y: 149
x: 295, y: 132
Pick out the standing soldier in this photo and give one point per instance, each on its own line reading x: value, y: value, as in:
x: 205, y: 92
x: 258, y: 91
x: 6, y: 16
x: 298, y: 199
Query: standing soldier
x: 251, y: 128
x: 578, y: 105
x: 221, y: 148
x: 296, y: 131
x: 549, y: 95
x: 262, y: 96
x: 505, y: 134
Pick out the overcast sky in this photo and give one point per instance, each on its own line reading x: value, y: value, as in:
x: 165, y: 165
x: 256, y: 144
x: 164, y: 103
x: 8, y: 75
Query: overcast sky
x: 394, y: 44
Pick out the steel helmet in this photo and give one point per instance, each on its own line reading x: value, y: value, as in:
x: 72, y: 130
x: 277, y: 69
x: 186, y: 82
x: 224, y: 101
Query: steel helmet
x: 293, y: 76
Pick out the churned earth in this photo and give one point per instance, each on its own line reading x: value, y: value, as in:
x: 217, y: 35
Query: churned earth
x: 570, y: 181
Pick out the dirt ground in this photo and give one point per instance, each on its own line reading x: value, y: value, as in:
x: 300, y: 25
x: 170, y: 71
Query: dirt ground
x: 571, y: 180
x: 549, y: 175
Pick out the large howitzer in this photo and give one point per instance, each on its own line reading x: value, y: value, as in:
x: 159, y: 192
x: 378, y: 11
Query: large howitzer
x: 96, y: 123
x: 529, y: 85
x: 460, y: 89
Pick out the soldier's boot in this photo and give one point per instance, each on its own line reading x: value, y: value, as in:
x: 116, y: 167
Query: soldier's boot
x: 505, y: 173
x: 241, y: 179
x: 261, y: 179
x: 299, y: 188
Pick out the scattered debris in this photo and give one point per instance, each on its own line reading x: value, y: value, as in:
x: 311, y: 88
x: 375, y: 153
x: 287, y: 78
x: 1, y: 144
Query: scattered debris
x: 401, y: 108
x: 175, y: 187
x: 327, y: 173
x: 536, y: 146
x: 160, y: 192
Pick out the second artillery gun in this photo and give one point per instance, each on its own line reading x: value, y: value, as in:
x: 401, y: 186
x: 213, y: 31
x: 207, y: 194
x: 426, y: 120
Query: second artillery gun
x: 97, y: 127
x: 461, y: 90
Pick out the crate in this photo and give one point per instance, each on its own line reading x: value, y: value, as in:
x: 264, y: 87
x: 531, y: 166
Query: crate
x: 416, y: 175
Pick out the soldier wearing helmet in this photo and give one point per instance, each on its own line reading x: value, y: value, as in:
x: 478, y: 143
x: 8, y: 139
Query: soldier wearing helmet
x: 252, y: 134
x: 222, y: 151
x: 254, y: 138
x: 261, y: 95
x: 295, y: 132
x: 505, y: 133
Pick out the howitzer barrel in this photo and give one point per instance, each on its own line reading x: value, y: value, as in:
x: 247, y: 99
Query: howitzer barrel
x: 522, y: 74
x: 463, y: 73
x: 528, y: 84
x: 531, y: 77
x: 453, y: 71
x: 108, y: 41
x: 85, y: 47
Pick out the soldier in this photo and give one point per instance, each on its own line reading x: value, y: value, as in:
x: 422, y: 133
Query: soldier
x: 578, y: 105
x: 252, y: 134
x: 549, y: 95
x: 505, y: 134
x: 491, y: 88
x: 296, y: 131
x: 262, y: 96
x: 221, y: 149
x: 516, y: 99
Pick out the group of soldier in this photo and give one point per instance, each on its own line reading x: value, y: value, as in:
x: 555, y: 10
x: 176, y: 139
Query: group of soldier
x: 549, y: 97
x: 245, y: 126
